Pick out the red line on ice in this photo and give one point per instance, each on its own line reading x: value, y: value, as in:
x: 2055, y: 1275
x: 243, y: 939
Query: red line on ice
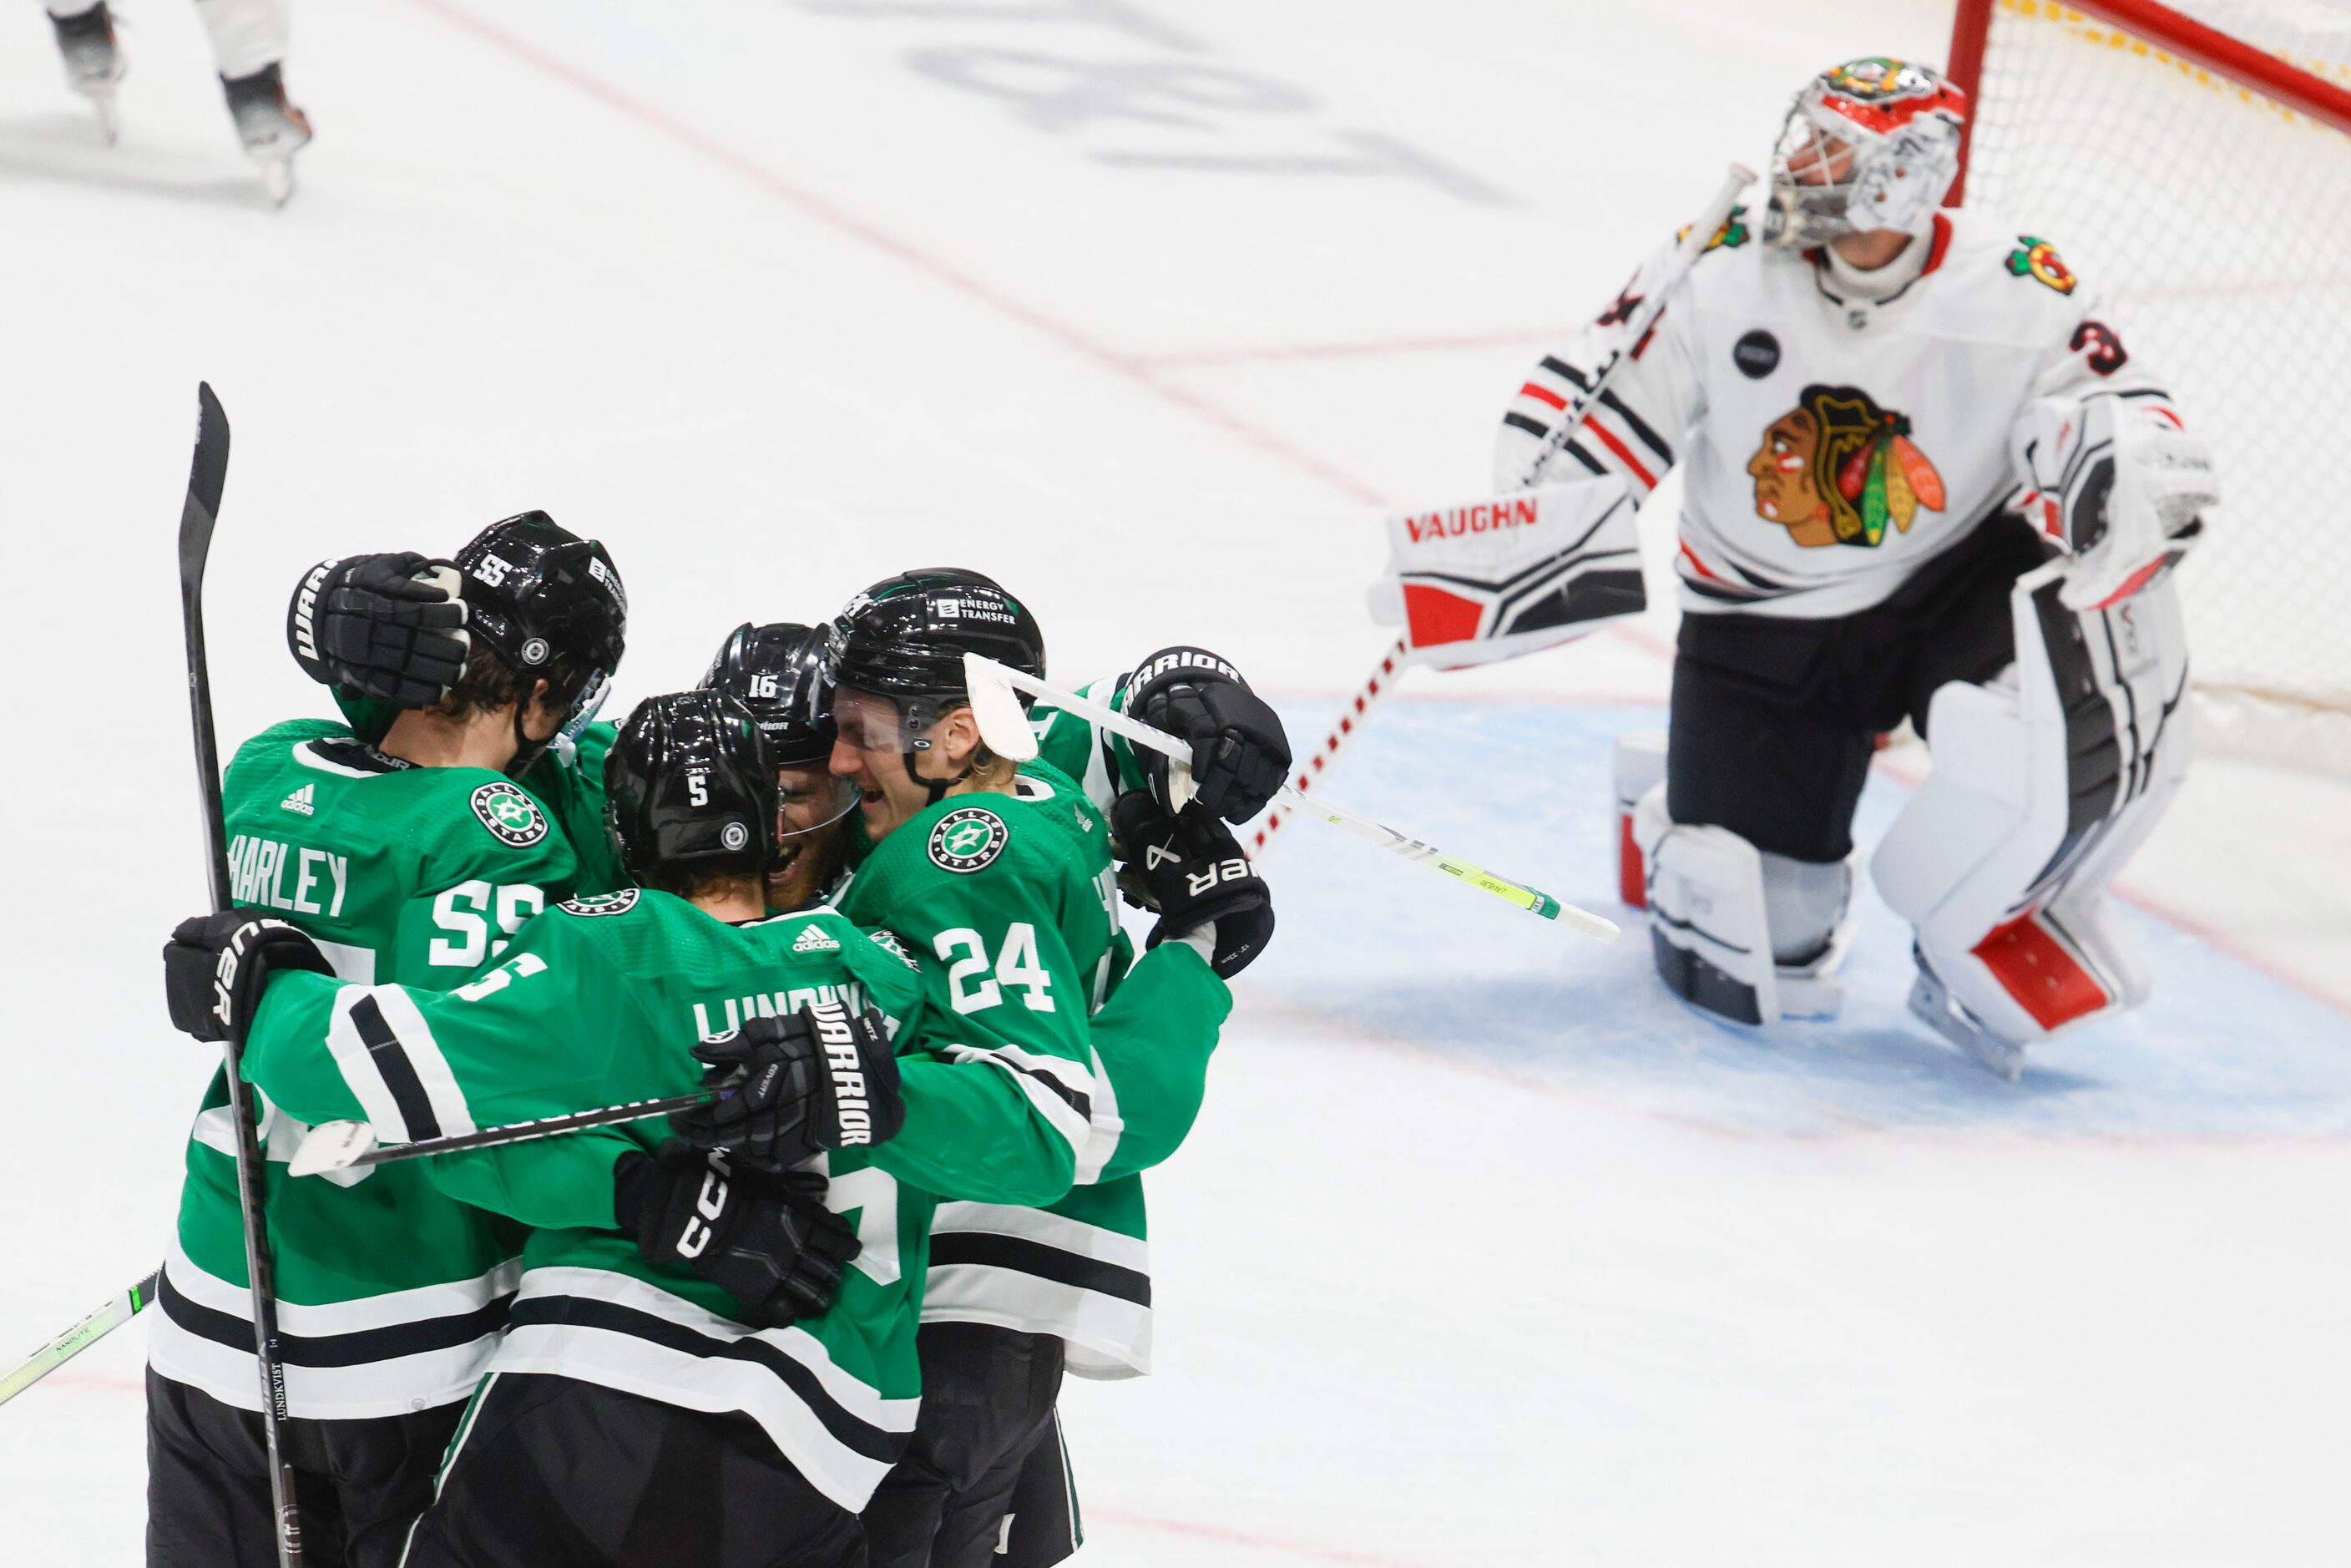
x: 813, y: 205
x: 1241, y: 1538
x: 1208, y: 357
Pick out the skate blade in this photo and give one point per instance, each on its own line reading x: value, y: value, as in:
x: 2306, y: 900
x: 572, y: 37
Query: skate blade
x: 277, y: 179
x: 109, y: 119
x: 1934, y: 1008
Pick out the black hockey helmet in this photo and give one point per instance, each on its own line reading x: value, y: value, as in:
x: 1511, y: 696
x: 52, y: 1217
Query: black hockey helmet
x: 905, y: 636
x: 689, y: 783
x: 783, y: 674
x: 550, y: 602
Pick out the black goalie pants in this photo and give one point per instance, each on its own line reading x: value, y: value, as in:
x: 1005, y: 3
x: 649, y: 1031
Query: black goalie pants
x: 360, y: 1483
x: 1774, y: 720
x: 548, y: 1472
x: 987, y: 1403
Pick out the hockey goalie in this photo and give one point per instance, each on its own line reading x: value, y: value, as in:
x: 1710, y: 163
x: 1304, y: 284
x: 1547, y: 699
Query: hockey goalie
x: 1926, y: 477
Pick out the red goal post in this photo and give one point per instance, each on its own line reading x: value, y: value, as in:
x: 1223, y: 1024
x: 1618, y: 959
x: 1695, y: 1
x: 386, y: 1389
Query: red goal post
x: 2192, y: 162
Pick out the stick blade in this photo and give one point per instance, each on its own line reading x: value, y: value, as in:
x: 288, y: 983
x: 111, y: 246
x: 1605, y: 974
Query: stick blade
x: 207, y: 478
x: 1003, y: 722
x: 331, y: 1147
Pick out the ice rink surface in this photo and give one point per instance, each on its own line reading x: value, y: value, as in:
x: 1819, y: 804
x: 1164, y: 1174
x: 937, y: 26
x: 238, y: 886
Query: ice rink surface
x: 1483, y: 1251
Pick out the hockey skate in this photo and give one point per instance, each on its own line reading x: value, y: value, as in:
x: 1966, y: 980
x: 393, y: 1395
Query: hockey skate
x: 272, y: 130
x: 93, y: 62
x: 1933, y: 1002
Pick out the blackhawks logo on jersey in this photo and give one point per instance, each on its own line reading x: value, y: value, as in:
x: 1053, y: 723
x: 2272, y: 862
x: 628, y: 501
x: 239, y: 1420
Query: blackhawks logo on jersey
x: 1836, y: 469
x: 2037, y: 258
x: 1732, y: 234
x: 969, y: 840
x: 512, y: 817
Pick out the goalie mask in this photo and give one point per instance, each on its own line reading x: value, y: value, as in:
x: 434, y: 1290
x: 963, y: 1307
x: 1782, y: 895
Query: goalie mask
x: 1869, y: 146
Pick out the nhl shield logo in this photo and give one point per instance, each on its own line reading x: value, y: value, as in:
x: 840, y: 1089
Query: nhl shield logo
x: 969, y: 840
x: 512, y: 817
x: 590, y: 907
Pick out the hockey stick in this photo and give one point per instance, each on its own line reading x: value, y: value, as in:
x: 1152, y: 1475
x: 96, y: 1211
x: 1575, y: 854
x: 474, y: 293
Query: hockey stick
x: 207, y: 475
x: 1005, y: 727
x: 1391, y: 670
x: 1571, y: 420
x: 345, y: 1145
x: 120, y: 1309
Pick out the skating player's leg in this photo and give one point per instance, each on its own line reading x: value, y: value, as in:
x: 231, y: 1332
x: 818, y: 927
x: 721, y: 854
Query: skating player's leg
x: 84, y: 31
x: 1043, y: 1527
x: 2046, y: 780
x: 249, y: 38
x: 987, y: 1394
x: 208, y: 1482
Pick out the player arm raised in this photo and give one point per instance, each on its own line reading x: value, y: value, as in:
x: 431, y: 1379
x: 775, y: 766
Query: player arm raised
x: 1655, y: 395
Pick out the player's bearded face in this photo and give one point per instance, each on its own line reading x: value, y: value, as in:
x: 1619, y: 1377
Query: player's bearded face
x: 870, y: 754
x: 811, y: 805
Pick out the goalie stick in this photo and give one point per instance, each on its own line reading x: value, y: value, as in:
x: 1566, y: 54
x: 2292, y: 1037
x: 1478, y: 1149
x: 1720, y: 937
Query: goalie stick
x: 1397, y: 659
x: 119, y: 1309
x: 1005, y: 727
x: 346, y: 1145
x: 207, y: 476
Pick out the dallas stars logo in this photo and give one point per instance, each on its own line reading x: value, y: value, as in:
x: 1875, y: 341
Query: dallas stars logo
x: 969, y: 840
x: 512, y: 817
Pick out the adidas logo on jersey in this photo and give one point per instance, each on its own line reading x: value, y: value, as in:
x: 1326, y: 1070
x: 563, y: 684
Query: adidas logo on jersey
x: 812, y: 939
x: 300, y: 801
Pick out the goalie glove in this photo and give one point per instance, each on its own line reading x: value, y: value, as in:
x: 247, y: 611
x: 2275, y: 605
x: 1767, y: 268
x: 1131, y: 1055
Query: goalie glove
x: 391, y: 627
x: 1190, y: 868
x: 2117, y: 484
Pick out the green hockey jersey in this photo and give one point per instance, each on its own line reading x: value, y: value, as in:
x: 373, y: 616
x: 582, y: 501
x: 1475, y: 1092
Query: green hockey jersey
x: 400, y: 873
x: 1015, y: 896
x: 600, y: 1001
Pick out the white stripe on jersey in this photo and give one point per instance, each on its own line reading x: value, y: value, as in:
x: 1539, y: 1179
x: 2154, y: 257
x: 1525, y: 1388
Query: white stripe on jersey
x: 1107, y: 1338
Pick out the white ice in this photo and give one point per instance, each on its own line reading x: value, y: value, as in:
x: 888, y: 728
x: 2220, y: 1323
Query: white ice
x: 1483, y: 1251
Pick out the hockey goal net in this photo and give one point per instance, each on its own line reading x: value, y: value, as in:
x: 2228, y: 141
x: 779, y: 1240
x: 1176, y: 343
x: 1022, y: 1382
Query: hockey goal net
x: 2193, y: 162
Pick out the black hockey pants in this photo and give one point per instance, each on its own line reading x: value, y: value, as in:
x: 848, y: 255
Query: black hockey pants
x: 1774, y: 720
x: 548, y: 1472
x: 360, y: 1483
x: 988, y: 1400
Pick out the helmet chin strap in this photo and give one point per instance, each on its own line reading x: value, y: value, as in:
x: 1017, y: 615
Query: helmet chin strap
x: 938, y: 788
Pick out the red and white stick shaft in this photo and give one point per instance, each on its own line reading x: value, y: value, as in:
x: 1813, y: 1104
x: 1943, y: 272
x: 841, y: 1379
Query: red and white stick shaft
x: 1391, y: 670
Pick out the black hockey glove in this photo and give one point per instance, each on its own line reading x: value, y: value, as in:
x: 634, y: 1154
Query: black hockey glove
x: 391, y: 627
x: 1190, y: 868
x: 1239, y: 754
x: 215, y: 965
x: 818, y: 1079
x: 767, y: 1240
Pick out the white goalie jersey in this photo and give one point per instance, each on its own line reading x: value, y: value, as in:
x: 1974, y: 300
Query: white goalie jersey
x: 1836, y: 429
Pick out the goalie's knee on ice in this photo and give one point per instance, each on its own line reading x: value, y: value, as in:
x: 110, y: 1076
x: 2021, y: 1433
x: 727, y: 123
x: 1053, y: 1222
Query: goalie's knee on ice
x: 1752, y: 937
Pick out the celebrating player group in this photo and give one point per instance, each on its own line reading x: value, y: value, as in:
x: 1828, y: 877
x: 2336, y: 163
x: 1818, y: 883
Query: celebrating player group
x: 822, y: 1317
x: 908, y: 1069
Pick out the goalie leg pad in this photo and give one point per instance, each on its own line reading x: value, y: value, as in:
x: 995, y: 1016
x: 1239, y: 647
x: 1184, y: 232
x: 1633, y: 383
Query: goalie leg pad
x: 1752, y: 937
x: 2045, y: 781
x: 1640, y: 767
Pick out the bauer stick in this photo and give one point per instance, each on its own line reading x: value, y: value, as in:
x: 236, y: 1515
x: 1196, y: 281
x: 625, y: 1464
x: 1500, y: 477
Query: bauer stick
x: 345, y: 1145
x: 1571, y: 420
x: 207, y: 476
x: 120, y: 1309
x: 1005, y: 727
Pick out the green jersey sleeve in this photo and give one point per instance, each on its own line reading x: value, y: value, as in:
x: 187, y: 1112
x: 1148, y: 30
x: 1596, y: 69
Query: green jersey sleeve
x: 1153, y: 1040
x: 1104, y: 766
